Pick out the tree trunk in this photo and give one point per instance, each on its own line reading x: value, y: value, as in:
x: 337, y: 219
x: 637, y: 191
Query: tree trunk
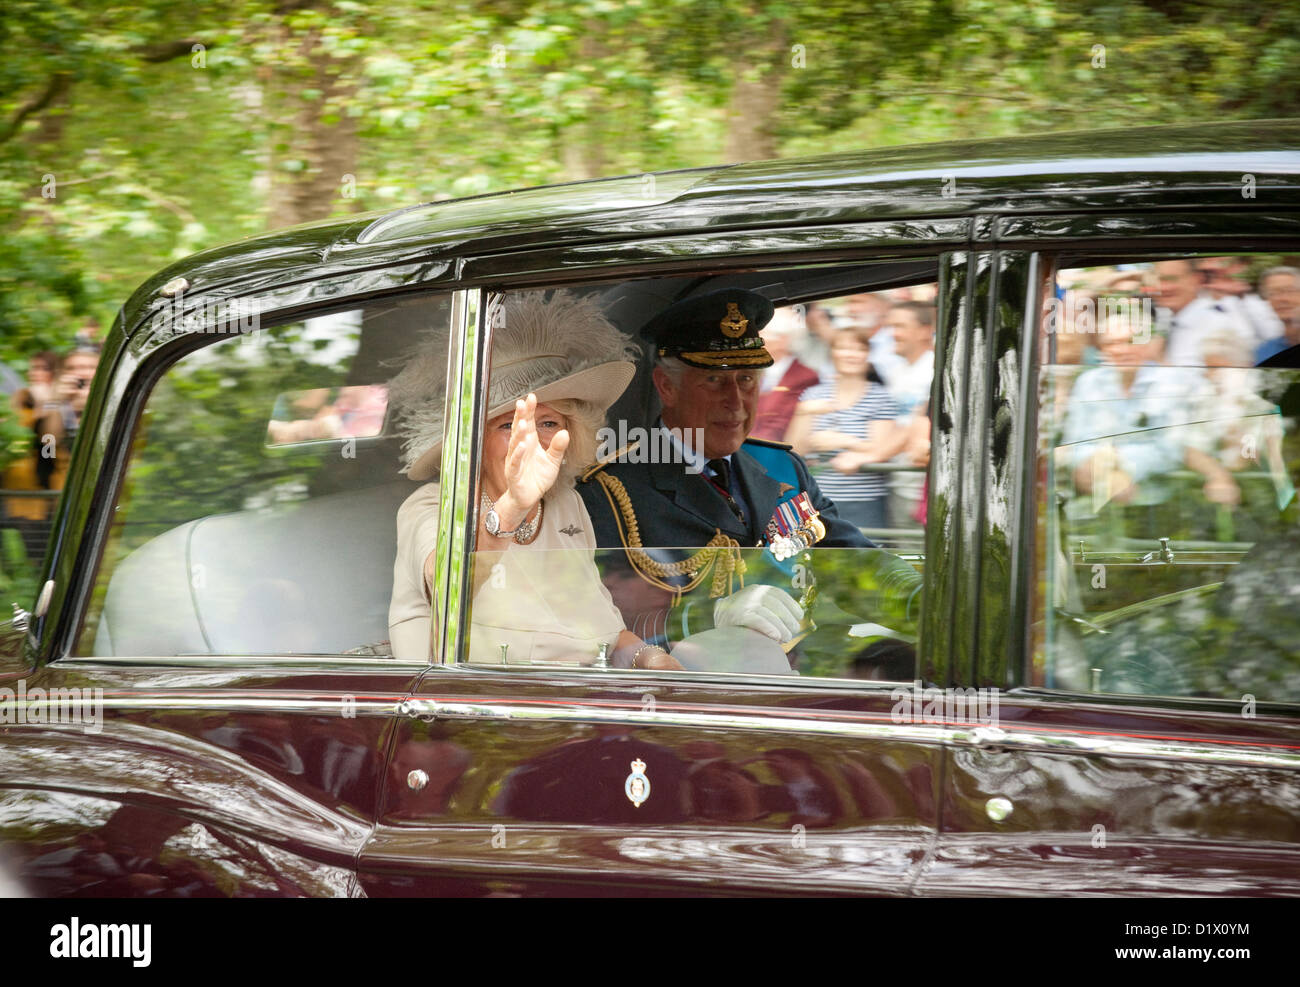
x: 53, y: 96
x: 756, y: 98
x: 583, y: 150
x: 315, y: 133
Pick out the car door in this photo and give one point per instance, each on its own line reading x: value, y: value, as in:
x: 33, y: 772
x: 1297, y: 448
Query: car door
x: 204, y: 707
x: 1148, y: 741
x: 525, y: 779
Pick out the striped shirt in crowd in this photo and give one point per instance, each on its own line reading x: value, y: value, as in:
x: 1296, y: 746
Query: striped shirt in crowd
x: 874, y: 405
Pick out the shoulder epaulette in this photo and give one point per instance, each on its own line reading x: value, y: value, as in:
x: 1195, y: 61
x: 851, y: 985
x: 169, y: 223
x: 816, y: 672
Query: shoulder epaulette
x: 768, y: 442
x: 600, y: 464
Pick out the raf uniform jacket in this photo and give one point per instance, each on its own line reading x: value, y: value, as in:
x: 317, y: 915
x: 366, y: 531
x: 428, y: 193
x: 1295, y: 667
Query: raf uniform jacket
x: 677, y: 509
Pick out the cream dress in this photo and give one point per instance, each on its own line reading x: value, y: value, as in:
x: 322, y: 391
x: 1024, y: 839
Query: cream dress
x: 544, y: 600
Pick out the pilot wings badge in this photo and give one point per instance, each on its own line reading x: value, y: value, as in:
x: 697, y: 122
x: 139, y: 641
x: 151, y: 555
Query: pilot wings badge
x: 637, y: 786
x: 570, y: 530
x: 733, y: 324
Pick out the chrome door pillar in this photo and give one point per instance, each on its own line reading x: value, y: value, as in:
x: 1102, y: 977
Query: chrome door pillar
x: 979, y: 529
x: 467, y: 366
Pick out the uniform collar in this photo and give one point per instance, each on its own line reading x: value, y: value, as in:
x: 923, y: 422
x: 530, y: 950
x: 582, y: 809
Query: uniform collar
x: 692, y: 457
x: 694, y: 495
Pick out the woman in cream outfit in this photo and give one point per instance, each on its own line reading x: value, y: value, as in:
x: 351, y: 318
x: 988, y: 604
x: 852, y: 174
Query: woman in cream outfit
x: 557, y: 366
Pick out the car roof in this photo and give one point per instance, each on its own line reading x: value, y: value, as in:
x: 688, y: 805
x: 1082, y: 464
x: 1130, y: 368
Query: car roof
x: 1189, y: 166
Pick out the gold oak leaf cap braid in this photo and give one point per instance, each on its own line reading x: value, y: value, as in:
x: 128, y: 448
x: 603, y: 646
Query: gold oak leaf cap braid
x: 718, y: 330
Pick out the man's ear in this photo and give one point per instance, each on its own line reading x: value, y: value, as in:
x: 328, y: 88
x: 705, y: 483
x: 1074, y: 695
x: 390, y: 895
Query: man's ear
x: 664, y: 385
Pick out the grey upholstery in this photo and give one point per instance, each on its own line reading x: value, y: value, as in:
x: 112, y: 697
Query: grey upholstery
x: 314, y: 576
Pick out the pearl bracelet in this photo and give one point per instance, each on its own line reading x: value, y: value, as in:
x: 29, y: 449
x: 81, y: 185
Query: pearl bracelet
x: 646, y: 647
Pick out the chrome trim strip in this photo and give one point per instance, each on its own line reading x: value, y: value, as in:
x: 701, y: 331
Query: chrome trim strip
x: 311, y: 707
x: 474, y: 409
x: 962, y: 736
x: 249, y: 663
x: 466, y: 367
x: 989, y: 739
x: 1207, y: 752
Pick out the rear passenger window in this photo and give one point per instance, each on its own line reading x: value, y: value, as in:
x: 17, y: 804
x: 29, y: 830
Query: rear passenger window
x: 1170, y: 442
x: 257, y: 514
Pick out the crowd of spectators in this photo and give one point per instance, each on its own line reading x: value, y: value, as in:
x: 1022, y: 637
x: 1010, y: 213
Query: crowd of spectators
x: 850, y: 391
x: 48, y: 408
x: 1169, y: 386
x: 850, y: 388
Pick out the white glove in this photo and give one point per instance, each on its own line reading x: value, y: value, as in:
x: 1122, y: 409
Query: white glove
x: 732, y: 649
x: 766, y: 609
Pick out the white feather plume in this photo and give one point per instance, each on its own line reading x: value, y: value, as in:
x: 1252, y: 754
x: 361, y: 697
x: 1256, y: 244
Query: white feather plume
x: 536, y: 341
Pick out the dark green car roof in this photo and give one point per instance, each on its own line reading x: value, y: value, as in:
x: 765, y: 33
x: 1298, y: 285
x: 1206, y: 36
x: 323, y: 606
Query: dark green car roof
x: 1200, y: 166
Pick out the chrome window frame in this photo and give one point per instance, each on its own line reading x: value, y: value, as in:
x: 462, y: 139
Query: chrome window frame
x: 457, y: 512
x: 141, y: 348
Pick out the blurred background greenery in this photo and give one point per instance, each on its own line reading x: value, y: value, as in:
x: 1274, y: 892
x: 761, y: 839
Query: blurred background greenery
x: 131, y: 135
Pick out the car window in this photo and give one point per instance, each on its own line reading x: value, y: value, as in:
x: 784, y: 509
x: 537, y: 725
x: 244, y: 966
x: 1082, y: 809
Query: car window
x: 257, y: 512
x: 642, y: 547
x: 1169, y: 446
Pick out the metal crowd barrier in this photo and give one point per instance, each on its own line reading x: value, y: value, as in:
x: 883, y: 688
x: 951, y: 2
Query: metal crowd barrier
x: 33, y: 533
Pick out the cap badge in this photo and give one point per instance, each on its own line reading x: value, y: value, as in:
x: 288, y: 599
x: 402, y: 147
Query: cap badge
x: 734, y: 325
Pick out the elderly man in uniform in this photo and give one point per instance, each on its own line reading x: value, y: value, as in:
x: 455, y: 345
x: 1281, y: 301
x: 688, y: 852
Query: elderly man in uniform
x: 717, y: 488
x: 709, y: 367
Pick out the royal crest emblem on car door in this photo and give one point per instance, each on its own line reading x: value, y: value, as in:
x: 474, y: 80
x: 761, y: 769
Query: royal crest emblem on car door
x: 637, y: 785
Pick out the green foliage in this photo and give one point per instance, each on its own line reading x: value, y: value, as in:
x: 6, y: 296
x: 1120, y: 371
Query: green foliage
x: 157, y: 151
x: 15, y: 441
x: 201, y: 447
x: 18, y: 574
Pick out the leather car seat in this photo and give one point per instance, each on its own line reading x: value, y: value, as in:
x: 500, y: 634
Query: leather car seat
x: 313, y: 576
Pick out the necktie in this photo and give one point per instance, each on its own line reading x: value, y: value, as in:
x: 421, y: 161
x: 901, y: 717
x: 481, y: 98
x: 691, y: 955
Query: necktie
x: 723, y: 482
x: 723, y: 469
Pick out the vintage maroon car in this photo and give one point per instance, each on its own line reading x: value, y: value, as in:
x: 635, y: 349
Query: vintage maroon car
x: 1096, y: 693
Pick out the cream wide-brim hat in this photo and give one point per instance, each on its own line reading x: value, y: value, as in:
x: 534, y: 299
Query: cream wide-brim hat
x: 600, y: 385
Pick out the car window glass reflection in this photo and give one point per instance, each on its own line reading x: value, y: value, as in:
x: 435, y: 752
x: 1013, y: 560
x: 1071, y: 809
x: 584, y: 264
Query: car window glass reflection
x: 612, y: 531
x: 1169, y: 491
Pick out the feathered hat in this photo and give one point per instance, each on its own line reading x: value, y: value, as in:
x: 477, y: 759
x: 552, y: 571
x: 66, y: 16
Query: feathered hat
x: 561, y: 347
